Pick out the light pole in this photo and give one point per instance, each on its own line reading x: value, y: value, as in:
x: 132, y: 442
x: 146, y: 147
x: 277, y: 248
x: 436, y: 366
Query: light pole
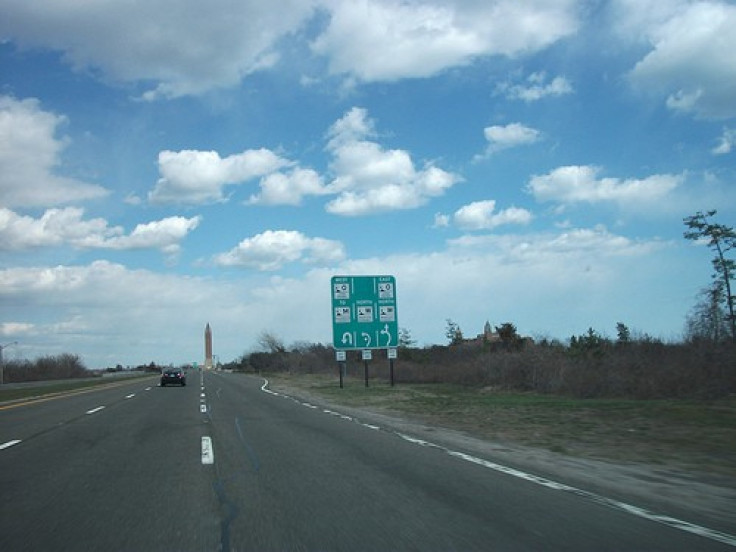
x: 2, y: 348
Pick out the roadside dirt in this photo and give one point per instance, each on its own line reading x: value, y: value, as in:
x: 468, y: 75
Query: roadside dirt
x: 663, y: 485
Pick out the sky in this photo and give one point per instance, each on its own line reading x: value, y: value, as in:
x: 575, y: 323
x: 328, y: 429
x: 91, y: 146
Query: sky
x: 167, y: 164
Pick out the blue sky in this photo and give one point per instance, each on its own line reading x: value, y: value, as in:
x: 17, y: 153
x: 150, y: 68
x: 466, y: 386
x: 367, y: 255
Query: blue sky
x: 168, y: 164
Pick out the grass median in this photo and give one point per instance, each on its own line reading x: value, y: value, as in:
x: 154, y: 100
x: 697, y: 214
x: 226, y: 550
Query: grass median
x: 10, y: 393
x: 690, y: 434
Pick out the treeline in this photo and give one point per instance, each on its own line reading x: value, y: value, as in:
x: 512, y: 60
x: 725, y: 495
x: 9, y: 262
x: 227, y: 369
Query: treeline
x: 589, y: 367
x: 64, y: 366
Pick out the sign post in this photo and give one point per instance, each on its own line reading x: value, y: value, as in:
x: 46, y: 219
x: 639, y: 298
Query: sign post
x: 341, y: 357
x: 364, y: 316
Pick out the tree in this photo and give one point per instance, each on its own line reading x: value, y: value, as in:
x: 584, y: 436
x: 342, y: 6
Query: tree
x: 405, y: 339
x: 623, y: 333
x: 453, y: 333
x: 707, y: 319
x: 509, y: 336
x: 721, y: 239
x: 271, y: 343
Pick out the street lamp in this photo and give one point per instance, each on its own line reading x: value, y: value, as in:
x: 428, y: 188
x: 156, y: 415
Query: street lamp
x: 2, y: 348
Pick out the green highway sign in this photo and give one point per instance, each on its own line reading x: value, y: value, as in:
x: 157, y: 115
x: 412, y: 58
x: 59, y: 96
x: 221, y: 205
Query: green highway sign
x: 364, y: 312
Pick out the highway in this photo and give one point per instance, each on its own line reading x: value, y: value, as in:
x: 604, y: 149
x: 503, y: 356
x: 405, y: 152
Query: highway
x: 226, y: 464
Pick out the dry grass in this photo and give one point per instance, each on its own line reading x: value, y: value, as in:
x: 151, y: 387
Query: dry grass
x: 693, y: 434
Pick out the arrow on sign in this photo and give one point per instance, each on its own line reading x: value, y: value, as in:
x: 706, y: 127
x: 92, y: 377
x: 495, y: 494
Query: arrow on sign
x: 386, y: 331
x: 367, y: 338
x: 347, y: 338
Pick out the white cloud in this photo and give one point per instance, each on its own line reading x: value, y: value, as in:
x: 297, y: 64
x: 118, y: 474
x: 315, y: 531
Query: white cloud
x: 555, y: 283
x: 727, y: 142
x: 30, y: 155
x: 535, y: 88
x: 370, y: 179
x: 68, y: 226
x: 162, y: 234
x: 481, y: 215
x: 384, y: 40
x: 691, y: 60
x: 509, y: 136
x: 196, y: 177
x: 573, y: 244
x: 289, y: 188
x: 54, y: 227
x: 441, y: 220
x: 16, y: 329
x: 580, y: 184
x: 187, y: 47
x: 273, y: 249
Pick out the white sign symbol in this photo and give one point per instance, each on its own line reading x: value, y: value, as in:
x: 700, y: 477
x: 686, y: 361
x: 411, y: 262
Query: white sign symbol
x: 367, y: 338
x: 347, y: 338
x: 386, y: 331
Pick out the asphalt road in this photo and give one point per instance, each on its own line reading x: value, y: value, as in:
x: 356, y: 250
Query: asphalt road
x: 222, y: 464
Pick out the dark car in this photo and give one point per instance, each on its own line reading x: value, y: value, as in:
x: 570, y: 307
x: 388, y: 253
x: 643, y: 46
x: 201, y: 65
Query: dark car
x: 173, y: 375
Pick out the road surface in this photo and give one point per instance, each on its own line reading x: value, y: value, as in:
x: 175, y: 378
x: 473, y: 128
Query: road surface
x: 226, y: 464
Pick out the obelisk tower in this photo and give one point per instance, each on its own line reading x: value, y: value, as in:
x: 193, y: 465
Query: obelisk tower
x: 208, y: 347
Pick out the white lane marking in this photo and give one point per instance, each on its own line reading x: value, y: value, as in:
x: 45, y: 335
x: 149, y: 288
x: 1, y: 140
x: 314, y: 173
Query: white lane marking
x: 414, y: 440
x: 148, y: 388
x: 94, y: 410
x: 600, y: 499
x: 634, y: 510
x: 203, y: 408
x: 130, y: 396
x: 208, y: 453
x: 9, y: 444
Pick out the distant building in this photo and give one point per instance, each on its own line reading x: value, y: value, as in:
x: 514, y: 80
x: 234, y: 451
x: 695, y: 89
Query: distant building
x: 208, y: 347
x: 488, y: 336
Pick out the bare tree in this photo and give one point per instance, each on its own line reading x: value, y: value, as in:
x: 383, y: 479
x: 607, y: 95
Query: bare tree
x: 453, y: 332
x: 721, y: 239
x: 707, y: 319
x: 271, y: 343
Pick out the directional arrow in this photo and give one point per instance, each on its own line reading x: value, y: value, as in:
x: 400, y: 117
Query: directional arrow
x: 386, y: 331
x: 367, y: 338
x: 347, y: 338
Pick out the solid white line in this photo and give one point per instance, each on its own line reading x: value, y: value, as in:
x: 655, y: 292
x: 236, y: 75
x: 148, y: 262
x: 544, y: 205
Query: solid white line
x: 634, y: 510
x: 600, y: 499
x: 9, y: 444
x: 208, y: 453
x: 95, y: 410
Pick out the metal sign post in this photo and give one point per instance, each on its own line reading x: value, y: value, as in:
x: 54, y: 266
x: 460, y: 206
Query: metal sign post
x: 391, y: 353
x: 367, y: 355
x: 341, y: 365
